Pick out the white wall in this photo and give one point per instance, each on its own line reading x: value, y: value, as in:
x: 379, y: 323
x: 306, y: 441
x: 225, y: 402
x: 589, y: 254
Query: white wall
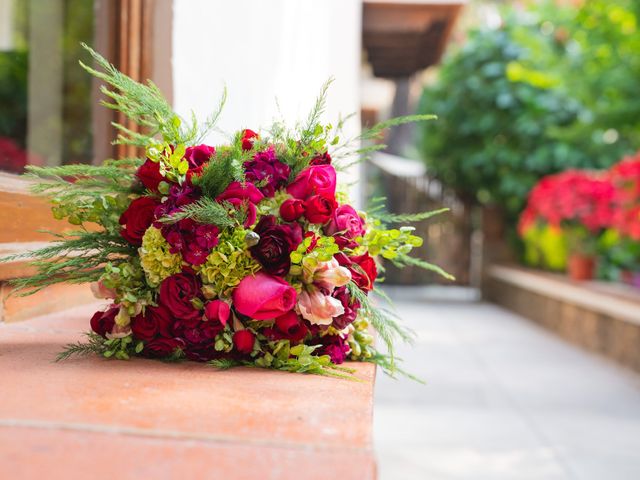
x: 263, y: 49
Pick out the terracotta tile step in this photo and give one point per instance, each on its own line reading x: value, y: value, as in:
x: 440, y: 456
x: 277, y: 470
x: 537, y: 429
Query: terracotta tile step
x: 146, y: 419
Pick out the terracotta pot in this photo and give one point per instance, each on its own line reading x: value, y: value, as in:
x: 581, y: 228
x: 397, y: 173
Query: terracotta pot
x: 581, y: 267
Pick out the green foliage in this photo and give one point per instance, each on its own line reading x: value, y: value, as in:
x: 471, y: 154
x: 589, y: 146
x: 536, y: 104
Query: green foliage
x: 218, y: 174
x: 93, y: 346
x: 298, y: 359
x: 497, y: 128
x: 86, y: 193
x: 546, y: 247
x: 119, y: 348
x: 385, y: 322
x: 387, y: 218
x: 146, y: 106
x: 205, y: 210
x: 76, y: 257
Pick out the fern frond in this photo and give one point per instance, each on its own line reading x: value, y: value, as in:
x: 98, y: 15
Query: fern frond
x: 205, y: 210
x: 93, y: 346
x: 144, y: 104
x: 407, y: 217
x: 402, y: 260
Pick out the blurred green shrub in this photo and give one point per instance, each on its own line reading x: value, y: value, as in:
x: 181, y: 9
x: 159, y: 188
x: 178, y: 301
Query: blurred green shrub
x: 547, y: 91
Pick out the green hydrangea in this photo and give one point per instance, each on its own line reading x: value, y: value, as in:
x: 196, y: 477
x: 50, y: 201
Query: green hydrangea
x: 156, y: 259
x: 132, y: 292
x: 228, y: 263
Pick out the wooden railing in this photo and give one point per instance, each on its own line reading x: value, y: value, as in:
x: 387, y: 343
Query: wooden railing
x: 448, y: 238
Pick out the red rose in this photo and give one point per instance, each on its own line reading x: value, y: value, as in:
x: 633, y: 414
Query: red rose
x: 149, y: 175
x: 318, y: 209
x: 244, y: 341
x: 362, y: 267
x: 247, y: 139
x: 137, y: 218
x: 292, y: 326
x: 276, y: 243
x: 263, y: 297
x: 198, y: 156
x: 238, y: 194
x: 144, y: 327
x: 315, y: 180
x: 103, y: 322
x: 163, y: 347
x: 291, y: 209
x: 176, y: 294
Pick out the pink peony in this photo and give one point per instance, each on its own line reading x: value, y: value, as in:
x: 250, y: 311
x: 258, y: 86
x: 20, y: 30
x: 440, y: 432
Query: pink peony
x: 263, y: 297
x: 318, y: 308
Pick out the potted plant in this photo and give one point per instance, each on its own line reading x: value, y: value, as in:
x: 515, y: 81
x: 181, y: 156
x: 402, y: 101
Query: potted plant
x: 580, y: 204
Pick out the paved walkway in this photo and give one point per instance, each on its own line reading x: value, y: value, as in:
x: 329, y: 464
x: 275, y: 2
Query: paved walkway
x: 505, y: 400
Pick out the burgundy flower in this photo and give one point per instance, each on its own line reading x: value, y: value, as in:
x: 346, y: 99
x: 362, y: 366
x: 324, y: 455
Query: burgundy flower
x: 137, y: 218
x: 292, y: 327
x: 238, y: 195
x: 350, y: 305
x: 247, y: 139
x: 149, y: 174
x: 203, y: 352
x: 324, y: 159
x: 291, y: 209
x: 103, y: 322
x: 276, y: 244
x: 243, y: 340
x: 266, y: 170
x: 163, y: 347
x: 144, y: 327
x: 163, y: 319
x: 335, y: 346
x: 318, y: 209
x: 315, y: 180
x: 176, y: 294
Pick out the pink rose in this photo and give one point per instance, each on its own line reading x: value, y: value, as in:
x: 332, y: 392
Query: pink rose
x: 345, y: 221
x: 318, y: 308
x: 315, y: 180
x: 263, y: 296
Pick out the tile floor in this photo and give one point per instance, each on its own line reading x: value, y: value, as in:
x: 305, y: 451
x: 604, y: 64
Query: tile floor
x: 504, y: 399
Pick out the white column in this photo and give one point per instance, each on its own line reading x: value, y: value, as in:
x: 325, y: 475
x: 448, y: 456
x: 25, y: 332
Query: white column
x: 262, y: 50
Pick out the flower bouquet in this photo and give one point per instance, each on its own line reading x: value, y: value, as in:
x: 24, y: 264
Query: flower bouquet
x: 246, y: 253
